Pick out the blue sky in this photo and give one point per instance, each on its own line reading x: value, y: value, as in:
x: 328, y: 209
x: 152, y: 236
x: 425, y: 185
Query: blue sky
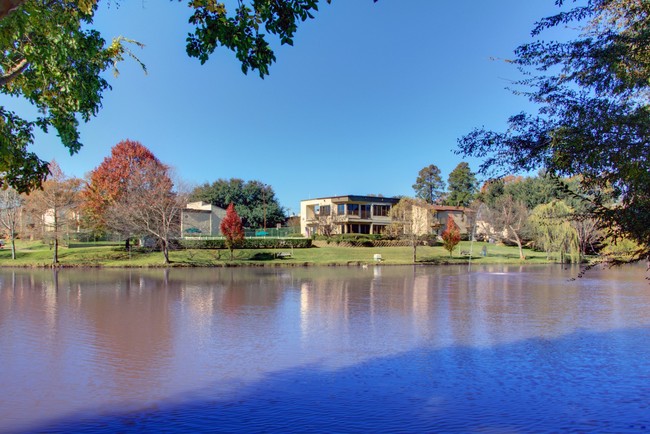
x: 369, y: 94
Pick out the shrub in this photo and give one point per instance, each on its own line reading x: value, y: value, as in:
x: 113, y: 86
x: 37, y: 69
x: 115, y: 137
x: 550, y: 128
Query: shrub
x: 249, y: 243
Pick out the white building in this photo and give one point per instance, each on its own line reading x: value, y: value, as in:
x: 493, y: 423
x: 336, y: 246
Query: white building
x: 201, y: 219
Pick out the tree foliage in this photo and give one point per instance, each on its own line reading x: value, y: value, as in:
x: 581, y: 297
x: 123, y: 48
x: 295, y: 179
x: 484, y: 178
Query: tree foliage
x: 118, y: 174
x: 552, y: 231
x: 450, y: 236
x: 246, y: 30
x: 507, y: 219
x: 232, y: 229
x: 50, y: 57
x: 593, y: 118
x: 462, y: 186
x: 254, y: 201
x: 10, y: 204
x: 148, y: 205
x: 410, y: 219
x: 54, y: 206
x: 429, y: 185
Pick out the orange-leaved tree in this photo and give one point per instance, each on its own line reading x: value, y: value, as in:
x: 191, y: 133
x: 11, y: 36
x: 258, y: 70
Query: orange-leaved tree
x: 232, y: 229
x: 450, y: 236
x: 115, y: 176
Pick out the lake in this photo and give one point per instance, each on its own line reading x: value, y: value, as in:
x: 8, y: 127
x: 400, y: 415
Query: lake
x: 334, y: 349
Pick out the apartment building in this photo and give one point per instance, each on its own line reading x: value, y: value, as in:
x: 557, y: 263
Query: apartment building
x: 349, y: 214
x: 354, y: 214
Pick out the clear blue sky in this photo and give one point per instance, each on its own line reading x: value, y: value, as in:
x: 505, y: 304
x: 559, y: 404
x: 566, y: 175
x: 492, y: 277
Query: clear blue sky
x: 369, y: 94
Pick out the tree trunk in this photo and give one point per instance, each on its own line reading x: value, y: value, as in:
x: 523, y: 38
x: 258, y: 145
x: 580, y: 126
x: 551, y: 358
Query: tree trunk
x: 55, y: 257
x: 165, y: 250
x: 415, y: 246
x: 13, y: 245
x: 231, y: 253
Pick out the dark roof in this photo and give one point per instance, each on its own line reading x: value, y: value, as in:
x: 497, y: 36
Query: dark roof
x: 358, y: 198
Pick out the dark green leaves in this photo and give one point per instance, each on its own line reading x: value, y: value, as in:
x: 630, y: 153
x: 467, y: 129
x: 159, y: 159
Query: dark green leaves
x: 245, y: 31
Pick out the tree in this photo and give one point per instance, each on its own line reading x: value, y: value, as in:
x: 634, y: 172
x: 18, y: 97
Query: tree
x: 10, y: 205
x: 51, y: 58
x: 254, y: 201
x: 507, y: 221
x: 552, y: 230
x: 411, y: 218
x: 327, y: 223
x: 429, y: 185
x: 117, y: 175
x: 148, y: 206
x: 450, y: 236
x: 594, y: 114
x: 232, y: 229
x: 462, y: 186
x: 54, y: 206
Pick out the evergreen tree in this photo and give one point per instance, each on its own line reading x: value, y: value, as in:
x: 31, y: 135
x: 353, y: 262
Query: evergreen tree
x: 462, y: 186
x: 429, y: 186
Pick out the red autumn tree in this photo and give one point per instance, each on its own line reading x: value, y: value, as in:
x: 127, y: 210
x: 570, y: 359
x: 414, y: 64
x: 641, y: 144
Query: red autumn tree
x: 149, y: 207
x: 115, y: 176
x: 231, y: 228
x: 450, y: 236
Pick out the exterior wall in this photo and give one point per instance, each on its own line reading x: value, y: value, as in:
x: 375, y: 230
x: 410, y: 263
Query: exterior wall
x: 457, y: 214
x: 429, y: 219
x: 347, y: 214
x: 67, y: 218
x: 201, y: 219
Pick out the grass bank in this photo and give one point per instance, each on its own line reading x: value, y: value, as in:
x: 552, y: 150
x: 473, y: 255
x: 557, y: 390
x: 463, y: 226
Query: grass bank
x: 37, y: 254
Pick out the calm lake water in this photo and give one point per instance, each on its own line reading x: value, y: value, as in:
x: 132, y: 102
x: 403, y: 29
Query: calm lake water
x: 399, y: 349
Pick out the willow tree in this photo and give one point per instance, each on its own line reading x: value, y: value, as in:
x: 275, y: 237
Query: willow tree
x: 551, y: 230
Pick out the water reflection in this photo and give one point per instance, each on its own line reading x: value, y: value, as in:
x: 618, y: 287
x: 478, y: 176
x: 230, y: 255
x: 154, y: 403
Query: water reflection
x: 106, y: 341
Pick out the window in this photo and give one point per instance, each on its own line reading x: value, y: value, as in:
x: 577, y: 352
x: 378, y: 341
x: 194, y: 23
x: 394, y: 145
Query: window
x: 365, y: 211
x: 353, y: 209
x: 358, y: 229
x: 381, y: 210
x: 340, y: 209
x: 325, y: 210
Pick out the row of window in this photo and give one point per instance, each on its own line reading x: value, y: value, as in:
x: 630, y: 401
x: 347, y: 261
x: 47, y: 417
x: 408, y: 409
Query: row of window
x: 355, y: 209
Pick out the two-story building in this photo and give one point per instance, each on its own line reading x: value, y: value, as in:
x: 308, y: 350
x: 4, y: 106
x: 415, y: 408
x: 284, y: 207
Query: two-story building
x: 352, y: 214
x: 349, y: 214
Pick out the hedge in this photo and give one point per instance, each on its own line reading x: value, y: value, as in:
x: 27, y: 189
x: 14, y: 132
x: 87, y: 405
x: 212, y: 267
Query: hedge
x: 249, y: 243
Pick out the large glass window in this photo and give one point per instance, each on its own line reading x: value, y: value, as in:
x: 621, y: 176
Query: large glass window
x: 353, y: 209
x: 358, y: 229
x: 365, y: 211
x: 381, y: 210
x: 325, y: 210
x: 340, y: 209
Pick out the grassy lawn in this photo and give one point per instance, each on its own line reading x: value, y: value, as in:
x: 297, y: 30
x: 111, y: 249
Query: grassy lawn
x: 37, y: 254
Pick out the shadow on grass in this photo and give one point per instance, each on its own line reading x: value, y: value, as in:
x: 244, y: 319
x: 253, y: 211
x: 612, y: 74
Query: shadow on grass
x: 581, y: 382
x: 263, y: 256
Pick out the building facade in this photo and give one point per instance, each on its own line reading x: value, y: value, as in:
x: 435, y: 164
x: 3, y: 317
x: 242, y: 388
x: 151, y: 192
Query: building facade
x: 349, y: 214
x: 354, y: 214
x: 201, y: 219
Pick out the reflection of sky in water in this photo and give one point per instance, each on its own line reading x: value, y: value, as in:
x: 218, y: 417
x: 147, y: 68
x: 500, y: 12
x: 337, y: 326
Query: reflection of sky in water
x: 109, y: 340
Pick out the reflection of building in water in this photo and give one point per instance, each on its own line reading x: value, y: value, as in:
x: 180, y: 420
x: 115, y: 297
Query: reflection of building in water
x: 323, y: 304
x: 381, y: 306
